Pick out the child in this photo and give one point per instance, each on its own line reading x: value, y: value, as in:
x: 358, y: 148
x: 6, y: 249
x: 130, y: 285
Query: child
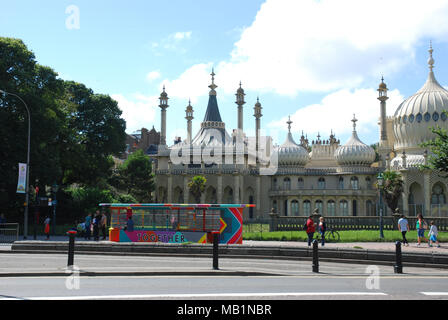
x: 433, y: 233
x: 322, y: 229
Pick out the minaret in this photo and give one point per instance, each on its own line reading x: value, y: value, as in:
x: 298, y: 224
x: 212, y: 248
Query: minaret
x: 257, y: 115
x: 240, y: 102
x: 382, y: 96
x: 189, y: 117
x: 163, y: 105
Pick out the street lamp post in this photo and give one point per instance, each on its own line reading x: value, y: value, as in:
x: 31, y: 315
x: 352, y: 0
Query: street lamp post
x: 27, y: 191
x: 380, y: 188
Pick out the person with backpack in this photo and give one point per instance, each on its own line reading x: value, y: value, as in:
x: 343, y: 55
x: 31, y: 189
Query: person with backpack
x: 403, y: 226
x: 421, y: 226
x: 310, y: 229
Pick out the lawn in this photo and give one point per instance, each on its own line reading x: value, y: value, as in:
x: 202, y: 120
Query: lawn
x: 346, y: 236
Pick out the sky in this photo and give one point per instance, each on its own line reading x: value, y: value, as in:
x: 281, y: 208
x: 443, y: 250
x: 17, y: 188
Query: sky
x: 318, y: 61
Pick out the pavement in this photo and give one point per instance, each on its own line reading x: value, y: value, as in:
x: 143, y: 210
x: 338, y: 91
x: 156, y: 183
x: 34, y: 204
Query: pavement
x: 197, y: 258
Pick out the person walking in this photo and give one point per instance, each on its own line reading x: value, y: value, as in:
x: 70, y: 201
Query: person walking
x: 103, y: 223
x: 322, y: 229
x: 47, y: 227
x: 87, y: 225
x: 421, y: 226
x: 433, y: 233
x: 96, y: 226
x: 403, y: 227
x: 310, y: 229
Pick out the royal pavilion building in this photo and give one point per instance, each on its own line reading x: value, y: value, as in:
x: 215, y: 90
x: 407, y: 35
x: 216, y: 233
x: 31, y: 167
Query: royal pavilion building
x: 295, y: 178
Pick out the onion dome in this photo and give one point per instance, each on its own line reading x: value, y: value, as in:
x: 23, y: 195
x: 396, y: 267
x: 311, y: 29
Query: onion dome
x: 416, y: 115
x: 354, y: 152
x: 290, y: 153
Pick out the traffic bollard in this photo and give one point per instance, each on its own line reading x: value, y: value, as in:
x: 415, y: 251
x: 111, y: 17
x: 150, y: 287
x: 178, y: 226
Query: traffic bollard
x: 398, y: 268
x: 215, y: 250
x: 315, y: 256
x: 71, y: 247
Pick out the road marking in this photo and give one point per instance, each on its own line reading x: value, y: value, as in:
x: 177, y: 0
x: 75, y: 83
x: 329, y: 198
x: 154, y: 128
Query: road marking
x: 204, y: 295
x: 435, y: 293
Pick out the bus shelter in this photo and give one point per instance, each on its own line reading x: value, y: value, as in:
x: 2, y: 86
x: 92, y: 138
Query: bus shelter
x: 175, y: 223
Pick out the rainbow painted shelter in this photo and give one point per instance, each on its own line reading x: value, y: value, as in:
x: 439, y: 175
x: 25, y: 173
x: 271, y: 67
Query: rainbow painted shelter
x: 176, y: 223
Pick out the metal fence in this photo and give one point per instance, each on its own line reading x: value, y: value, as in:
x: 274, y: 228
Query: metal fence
x: 9, y: 232
x: 353, y: 223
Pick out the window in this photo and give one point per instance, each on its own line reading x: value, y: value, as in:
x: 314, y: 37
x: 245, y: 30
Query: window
x: 341, y: 183
x: 419, y: 117
x: 443, y: 116
x: 435, y: 116
x: 331, y: 208
x: 300, y: 183
x: 354, y: 183
x: 274, y: 184
x: 319, y: 206
x: 343, y: 208
x: 321, y: 183
x: 427, y: 116
x: 286, y: 184
x: 411, y: 118
x: 368, y: 183
x: 369, y: 208
x: 306, y: 207
x: 438, y: 196
x: 294, y: 208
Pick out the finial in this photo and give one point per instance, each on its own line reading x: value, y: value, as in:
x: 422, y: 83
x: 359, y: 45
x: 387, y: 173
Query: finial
x: 354, y: 122
x: 289, y: 123
x: 240, y: 84
x: 431, y: 59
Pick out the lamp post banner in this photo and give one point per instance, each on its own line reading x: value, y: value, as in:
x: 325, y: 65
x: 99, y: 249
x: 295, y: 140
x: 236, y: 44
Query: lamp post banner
x: 22, y: 178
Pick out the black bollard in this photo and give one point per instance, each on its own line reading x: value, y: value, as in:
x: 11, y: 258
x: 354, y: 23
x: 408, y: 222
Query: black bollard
x: 71, y: 247
x: 215, y: 250
x: 315, y: 256
x: 398, y: 268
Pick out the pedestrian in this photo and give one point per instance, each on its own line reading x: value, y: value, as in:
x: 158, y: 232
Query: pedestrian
x: 403, y: 227
x: 310, y: 229
x: 103, y: 224
x: 433, y: 233
x: 96, y: 226
x: 322, y: 229
x: 81, y: 229
x: 421, y: 226
x: 47, y: 227
x: 87, y: 227
x: 130, y: 225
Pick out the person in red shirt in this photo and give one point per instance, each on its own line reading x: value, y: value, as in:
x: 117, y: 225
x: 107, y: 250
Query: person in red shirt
x: 311, y: 228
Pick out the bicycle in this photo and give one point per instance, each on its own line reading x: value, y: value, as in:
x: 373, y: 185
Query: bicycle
x: 331, y: 235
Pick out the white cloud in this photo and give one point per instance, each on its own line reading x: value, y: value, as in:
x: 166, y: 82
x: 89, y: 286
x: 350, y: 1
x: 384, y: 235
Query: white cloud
x: 139, y: 112
x: 335, y: 112
x: 182, y: 35
x: 327, y: 45
x: 172, y: 42
x: 153, y: 75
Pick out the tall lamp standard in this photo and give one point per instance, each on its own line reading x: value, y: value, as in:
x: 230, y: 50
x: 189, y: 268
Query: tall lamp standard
x: 27, y: 192
x: 55, y: 189
x: 380, y: 188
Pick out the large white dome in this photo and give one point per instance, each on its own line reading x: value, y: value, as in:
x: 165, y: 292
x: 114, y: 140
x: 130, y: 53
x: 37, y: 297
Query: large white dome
x: 416, y: 115
x: 354, y: 152
x: 290, y: 153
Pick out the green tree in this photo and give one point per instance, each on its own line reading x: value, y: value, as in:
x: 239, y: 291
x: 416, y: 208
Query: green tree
x: 392, y: 188
x: 135, y: 176
x: 438, y: 155
x: 197, y: 187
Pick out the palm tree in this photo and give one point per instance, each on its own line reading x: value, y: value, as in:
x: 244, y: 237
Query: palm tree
x: 197, y: 187
x: 392, y: 188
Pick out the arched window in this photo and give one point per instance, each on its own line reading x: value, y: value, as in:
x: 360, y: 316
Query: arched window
x: 319, y: 206
x: 331, y: 208
x: 306, y: 207
x: 341, y: 183
x: 300, y: 183
x: 354, y: 183
x: 321, y: 183
x: 294, y: 208
x: 369, y: 208
x: 343, y: 208
x: 274, y: 206
x: 274, y: 183
x: 438, y: 195
x: 286, y: 184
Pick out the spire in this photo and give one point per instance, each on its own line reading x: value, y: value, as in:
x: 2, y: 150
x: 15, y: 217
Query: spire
x: 289, y: 124
x: 354, y: 120
x: 430, y: 59
x: 213, y: 86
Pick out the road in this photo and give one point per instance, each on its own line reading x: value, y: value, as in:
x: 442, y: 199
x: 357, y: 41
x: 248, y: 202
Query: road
x: 150, y: 278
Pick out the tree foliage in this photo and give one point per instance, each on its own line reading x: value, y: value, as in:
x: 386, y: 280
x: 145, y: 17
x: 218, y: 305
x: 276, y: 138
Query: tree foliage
x: 392, y: 188
x: 197, y: 187
x: 438, y: 155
